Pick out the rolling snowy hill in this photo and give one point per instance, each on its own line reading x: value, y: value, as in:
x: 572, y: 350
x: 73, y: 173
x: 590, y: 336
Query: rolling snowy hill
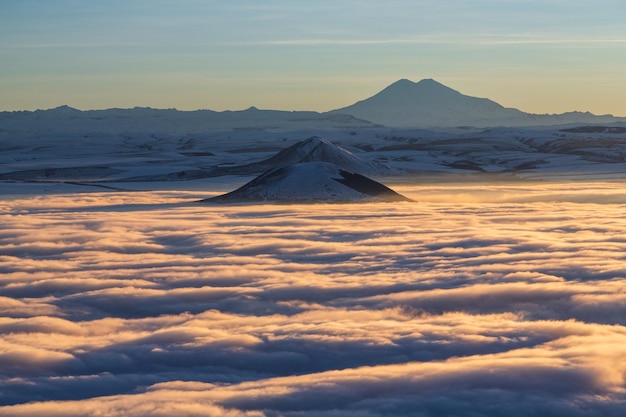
x: 313, y: 149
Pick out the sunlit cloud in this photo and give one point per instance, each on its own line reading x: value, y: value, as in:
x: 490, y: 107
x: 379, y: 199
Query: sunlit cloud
x: 152, y: 304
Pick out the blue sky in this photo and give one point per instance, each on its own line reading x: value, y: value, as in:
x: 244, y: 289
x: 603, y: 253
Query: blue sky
x: 537, y: 55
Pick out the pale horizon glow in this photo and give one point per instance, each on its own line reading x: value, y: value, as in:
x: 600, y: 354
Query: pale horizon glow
x: 539, y: 57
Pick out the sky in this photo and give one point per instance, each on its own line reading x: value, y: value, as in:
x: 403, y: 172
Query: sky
x: 536, y: 55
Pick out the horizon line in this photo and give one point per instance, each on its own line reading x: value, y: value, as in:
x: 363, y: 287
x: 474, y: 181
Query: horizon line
x: 255, y: 108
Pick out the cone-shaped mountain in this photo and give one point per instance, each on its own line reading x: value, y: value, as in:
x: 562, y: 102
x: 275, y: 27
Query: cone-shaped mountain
x: 313, y: 149
x: 310, y: 182
x: 317, y: 149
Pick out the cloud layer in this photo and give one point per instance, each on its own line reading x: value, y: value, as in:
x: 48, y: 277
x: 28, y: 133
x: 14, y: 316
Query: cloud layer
x: 508, y: 302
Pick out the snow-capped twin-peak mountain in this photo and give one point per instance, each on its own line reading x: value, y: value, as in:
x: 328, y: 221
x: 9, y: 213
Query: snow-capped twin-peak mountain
x: 428, y: 103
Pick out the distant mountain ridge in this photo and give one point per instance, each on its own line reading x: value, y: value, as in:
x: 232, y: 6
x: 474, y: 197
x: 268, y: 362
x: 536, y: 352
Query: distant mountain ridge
x: 404, y: 103
x: 428, y: 103
x: 65, y: 119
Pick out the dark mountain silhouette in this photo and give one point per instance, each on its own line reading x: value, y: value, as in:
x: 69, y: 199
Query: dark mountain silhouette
x: 429, y: 103
x: 65, y: 119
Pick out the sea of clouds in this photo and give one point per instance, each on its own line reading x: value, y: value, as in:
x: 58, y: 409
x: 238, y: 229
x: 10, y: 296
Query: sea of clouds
x: 475, y: 300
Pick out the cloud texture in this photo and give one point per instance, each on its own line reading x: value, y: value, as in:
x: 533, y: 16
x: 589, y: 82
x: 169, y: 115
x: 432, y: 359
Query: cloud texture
x: 506, y: 300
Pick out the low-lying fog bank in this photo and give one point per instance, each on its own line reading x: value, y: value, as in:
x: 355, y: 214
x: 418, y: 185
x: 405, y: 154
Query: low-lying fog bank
x: 481, y: 298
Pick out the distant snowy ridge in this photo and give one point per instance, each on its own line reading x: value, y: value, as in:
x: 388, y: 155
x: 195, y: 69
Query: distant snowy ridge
x: 310, y: 182
x: 429, y: 103
x: 65, y: 119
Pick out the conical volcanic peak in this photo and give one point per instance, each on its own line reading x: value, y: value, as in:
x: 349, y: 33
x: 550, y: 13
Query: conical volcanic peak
x: 310, y: 182
x: 317, y: 149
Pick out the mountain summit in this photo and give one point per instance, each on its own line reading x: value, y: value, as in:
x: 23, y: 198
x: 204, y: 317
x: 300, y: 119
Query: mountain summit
x: 317, y: 149
x: 429, y: 103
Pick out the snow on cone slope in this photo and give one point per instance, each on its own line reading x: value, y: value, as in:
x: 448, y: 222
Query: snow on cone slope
x: 310, y: 182
x: 317, y: 149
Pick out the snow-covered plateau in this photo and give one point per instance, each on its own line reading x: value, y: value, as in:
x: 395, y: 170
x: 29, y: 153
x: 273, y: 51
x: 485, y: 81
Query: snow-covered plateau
x: 143, y: 161
x: 126, y: 148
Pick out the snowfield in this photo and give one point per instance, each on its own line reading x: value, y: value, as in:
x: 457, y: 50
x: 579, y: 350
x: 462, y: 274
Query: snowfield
x: 121, y: 160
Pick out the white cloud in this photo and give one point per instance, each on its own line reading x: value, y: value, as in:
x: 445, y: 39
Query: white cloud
x: 115, y: 305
